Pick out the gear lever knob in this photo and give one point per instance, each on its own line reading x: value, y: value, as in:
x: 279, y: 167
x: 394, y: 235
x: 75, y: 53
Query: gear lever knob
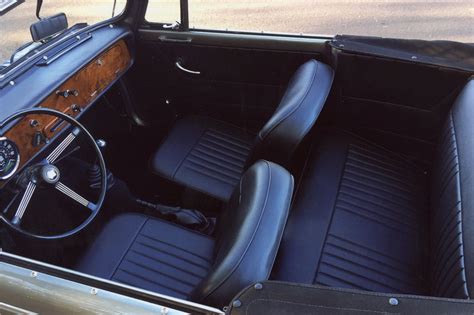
x: 95, y: 171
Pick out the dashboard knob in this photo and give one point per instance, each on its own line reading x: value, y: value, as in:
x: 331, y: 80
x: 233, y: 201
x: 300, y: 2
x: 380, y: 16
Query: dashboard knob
x: 76, y: 108
x: 67, y: 93
x: 34, y: 123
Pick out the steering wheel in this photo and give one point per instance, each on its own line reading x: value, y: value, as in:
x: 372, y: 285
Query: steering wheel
x: 46, y: 173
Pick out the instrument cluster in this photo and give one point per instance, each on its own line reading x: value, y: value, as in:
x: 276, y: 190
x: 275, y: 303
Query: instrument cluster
x: 9, y: 158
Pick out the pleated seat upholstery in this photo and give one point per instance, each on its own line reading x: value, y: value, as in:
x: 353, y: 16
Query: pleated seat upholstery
x: 204, y: 154
x: 368, y: 218
x: 210, y: 156
x: 356, y: 222
x: 162, y: 257
x: 146, y: 253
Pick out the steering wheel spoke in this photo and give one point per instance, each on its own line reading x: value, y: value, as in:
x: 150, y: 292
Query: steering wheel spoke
x: 45, y: 173
x: 25, y: 200
x: 54, y: 155
x: 75, y: 196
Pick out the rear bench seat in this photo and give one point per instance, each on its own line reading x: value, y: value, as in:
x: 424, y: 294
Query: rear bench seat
x: 366, y: 218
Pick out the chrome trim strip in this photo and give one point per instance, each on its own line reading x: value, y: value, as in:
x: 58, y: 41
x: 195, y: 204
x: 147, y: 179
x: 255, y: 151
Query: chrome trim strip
x: 14, y: 310
x: 81, y: 278
x: 72, y: 194
x: 53, y: 156
x: 25, y: 200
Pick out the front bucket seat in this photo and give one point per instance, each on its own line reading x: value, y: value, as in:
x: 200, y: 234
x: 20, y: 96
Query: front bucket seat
x: 210, y: 156
x: 159, y: 256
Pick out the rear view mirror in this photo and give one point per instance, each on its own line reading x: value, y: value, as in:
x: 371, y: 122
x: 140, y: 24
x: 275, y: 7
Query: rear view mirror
x: 47, y: 27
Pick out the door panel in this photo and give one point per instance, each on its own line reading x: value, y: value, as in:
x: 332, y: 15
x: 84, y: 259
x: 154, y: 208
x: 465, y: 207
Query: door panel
x: 240, y: 80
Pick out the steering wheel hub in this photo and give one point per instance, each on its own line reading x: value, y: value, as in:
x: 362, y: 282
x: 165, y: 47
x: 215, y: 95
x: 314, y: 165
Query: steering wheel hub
x: 50, y: 174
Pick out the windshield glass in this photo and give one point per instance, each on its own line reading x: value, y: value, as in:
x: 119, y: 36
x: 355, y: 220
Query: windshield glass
x: 15, y: 21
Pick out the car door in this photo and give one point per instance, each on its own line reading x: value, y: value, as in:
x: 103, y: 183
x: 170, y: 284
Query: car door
x: 233, y: 76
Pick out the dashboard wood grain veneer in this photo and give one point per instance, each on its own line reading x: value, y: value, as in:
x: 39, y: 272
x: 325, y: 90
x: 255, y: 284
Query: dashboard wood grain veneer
x: 87, y: 83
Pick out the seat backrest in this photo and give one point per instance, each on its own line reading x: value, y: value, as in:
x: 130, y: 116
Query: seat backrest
x: 249, y: 233
x: 296, y: 114
x: 452, y: 203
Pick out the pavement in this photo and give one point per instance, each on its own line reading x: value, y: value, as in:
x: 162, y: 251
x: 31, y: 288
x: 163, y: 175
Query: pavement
x: 422, y: 19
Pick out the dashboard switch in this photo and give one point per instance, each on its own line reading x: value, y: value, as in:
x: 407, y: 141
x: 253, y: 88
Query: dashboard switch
x: 67, y: 93
x: 38, y: 139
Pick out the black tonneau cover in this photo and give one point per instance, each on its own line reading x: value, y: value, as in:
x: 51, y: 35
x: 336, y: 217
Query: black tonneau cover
x: 271, y: 297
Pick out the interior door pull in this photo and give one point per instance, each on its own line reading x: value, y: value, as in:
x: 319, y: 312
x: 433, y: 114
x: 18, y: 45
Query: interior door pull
x: 180, y: 67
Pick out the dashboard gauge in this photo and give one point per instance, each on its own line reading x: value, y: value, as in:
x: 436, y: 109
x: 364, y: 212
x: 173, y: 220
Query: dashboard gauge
x: 9, y: 158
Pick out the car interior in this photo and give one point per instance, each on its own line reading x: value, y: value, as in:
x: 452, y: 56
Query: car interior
x: 221, y: 160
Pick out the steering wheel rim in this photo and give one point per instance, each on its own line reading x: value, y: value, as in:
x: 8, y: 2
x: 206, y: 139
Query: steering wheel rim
x: 101, y: 198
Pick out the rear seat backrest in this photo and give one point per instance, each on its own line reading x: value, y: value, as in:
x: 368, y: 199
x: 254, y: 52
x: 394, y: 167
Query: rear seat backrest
x: 452, y: 202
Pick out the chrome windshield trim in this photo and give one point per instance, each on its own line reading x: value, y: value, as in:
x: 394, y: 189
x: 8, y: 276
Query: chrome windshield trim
x: 10, y: 71
x: 88, y: 29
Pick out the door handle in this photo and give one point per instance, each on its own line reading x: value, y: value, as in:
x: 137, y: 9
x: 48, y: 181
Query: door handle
x: 180, y: 67
x: 173, y: 26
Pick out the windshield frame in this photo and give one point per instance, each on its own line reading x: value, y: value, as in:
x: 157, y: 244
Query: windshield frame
x: 18, y: 67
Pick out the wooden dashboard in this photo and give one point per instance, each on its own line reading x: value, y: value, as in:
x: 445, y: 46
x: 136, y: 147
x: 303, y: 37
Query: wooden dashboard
x: 72, y: 97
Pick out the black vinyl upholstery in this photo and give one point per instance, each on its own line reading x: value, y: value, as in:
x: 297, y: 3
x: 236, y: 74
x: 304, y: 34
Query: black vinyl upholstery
x: 452, y: 203
x: 147, y: 253
x: 210, y: 156
x: 205, y: 154
x: 367, y: 218
x: 159, y: 256
x: 296, y: 114
x: 355, y: 222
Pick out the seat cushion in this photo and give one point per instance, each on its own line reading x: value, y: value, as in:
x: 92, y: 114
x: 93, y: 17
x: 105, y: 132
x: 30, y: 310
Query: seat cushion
x: 357, y: 220
x: 204, y: 154
x: 150, y: 254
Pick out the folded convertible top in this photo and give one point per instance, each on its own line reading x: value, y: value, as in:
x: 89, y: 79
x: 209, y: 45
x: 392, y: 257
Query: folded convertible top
x: 438, y: 53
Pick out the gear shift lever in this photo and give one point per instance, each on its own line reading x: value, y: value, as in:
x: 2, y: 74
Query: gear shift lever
x: 94, y: 170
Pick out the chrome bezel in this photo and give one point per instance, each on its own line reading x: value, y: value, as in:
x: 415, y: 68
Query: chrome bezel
x: 17, y: 164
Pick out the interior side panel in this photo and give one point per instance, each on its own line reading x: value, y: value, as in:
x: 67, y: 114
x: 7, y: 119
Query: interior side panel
x: 397, y: 103
x: 239, y: 85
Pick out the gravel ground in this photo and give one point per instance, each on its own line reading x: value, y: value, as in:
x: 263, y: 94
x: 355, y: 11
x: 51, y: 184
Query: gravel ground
x: 450, y: 19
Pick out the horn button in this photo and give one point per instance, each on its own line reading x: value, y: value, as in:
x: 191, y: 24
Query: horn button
x: 50, y: 174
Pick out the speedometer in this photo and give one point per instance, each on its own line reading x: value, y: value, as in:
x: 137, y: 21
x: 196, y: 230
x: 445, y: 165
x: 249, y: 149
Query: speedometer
x: 9, y: 158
